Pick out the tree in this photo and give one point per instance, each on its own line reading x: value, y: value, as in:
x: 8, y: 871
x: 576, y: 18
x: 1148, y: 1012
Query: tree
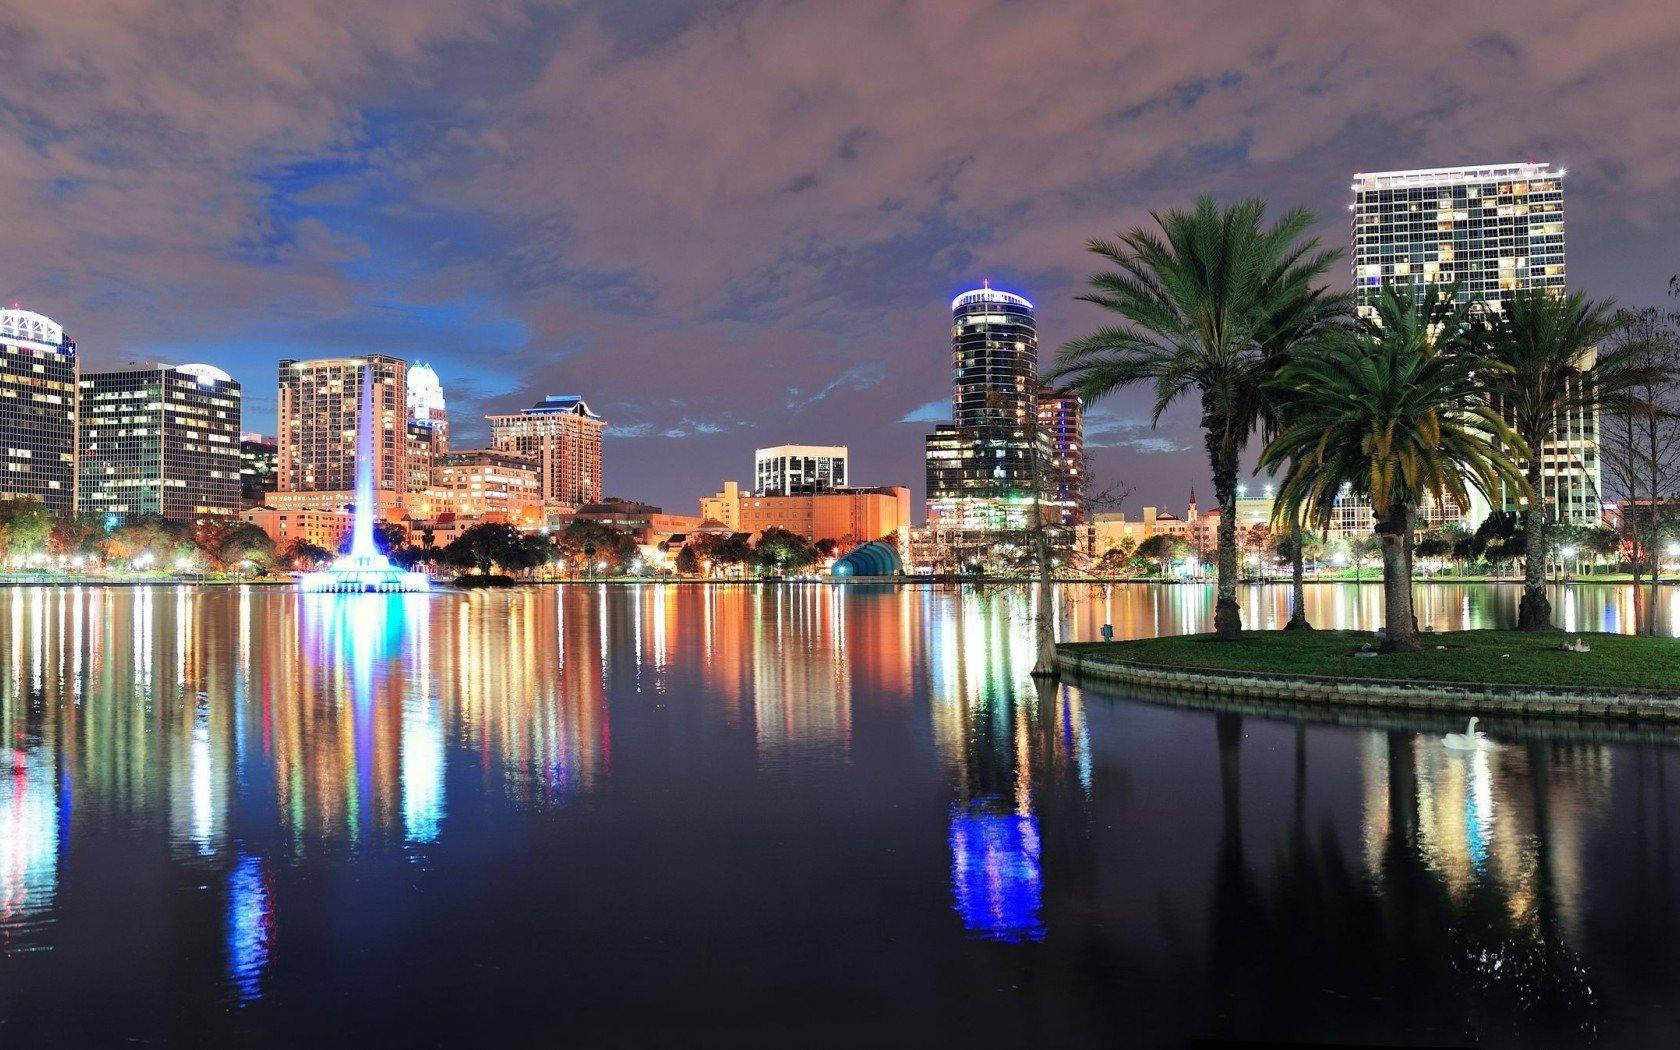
x: 1398, y: 411
x: 496, y: 544
x: 302, y: 555
x: 1546, y: 342
x: 1361, y: 549
x: 1163, y: 550
x: 828, y: 548
x: 1120, y: 557
x: 1199, y: 302
x: 725, y: 550
x: 151, y: 540
x: 782, y: 551
x: 1639, y: 441
x: 590, y: 543
x: 240, y: 542
x: 25, y: 527
x: 688, y: 562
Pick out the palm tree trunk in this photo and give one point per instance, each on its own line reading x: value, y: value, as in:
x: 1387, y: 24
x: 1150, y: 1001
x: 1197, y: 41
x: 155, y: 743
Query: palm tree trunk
x: 1399, y: 621
x: 1297, y: 588
x: 1227, y: 616
x: 1535, y: 612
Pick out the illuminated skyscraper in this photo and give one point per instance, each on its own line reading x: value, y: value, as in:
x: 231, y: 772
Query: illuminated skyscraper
x: 1061, y: 416
x: 37, y: 410
x: 1492, y: 230
x: 787, y: 469
x: 980, y: 469
x: 160, y: 439
x: 564, y: 438
x: 319, y: 401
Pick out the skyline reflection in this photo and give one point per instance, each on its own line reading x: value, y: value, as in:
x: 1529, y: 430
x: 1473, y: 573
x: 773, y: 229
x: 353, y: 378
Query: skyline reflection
x: 275, y: 783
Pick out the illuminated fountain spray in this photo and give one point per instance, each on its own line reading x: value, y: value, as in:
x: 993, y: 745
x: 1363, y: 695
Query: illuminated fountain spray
x: 364, y: 569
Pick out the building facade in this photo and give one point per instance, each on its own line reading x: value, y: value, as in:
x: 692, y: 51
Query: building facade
x: 484, y: 482
x: 981, y: 467
x: 1061, y: 416
x: 160, y: 439
x: 37, y: 410
x: 563, y: 437
x: 1490, y: 230
x: 318, y: 409
x: 787, y: 469
x: 259, y: 458
x: 848, y: 516
x: 325, y: 529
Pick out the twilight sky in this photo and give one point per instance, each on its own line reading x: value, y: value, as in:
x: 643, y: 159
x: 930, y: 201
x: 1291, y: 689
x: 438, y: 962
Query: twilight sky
x: 738, y: 224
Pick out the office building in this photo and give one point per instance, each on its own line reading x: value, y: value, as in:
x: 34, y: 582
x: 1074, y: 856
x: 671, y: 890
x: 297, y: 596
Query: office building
x: 981, y: 467
x: 427, y: 437
x: 564, y: 438
x: 425, y: 403
x: 259, y: 458
x: 159, y: 439
x: 1061, y: 417
x: 848, y: 516
x: 1491, y: 230
x: 318, y: 411
x: 787, y: 469
x: 37, y: 410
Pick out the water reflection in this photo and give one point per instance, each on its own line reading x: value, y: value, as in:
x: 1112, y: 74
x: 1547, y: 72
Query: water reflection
x: 279, y: 789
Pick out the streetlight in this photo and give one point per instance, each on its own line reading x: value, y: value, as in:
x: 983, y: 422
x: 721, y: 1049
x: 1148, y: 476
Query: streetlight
x: 1566, y: 553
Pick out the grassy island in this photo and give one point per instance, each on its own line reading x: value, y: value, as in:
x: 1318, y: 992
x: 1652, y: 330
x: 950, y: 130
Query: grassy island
x: 1481, y: 657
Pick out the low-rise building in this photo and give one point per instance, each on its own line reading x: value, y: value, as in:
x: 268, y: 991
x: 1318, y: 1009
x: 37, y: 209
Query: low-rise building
x: 476, y: 482
x: 321, y: 528
x: 848, y: 516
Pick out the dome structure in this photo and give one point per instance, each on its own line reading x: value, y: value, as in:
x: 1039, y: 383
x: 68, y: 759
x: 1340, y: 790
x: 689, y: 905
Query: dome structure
x: 870, y: 559
x: 32, y: 329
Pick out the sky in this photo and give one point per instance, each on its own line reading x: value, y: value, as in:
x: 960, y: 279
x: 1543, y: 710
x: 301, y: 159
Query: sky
x: 737, y: 224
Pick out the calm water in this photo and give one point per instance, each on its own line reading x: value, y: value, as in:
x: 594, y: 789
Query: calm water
x: 786, y: 817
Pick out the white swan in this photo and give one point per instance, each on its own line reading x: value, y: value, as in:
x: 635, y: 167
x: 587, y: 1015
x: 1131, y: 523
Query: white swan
x: 1469, y: 740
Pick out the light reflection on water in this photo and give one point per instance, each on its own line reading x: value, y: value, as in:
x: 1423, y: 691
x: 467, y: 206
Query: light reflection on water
x: 339, y: 783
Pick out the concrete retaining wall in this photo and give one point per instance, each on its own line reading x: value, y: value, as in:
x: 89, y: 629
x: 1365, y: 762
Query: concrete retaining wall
x: 1436, y: 697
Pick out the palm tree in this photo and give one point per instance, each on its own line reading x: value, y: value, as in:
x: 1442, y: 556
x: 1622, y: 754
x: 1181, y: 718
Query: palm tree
x: 1546, y: 342
x: 1399, y: 410
x: 1199, y: 302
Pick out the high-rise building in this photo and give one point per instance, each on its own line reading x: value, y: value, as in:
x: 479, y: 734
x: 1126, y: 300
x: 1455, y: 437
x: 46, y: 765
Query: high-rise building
x: 981, y: 468
x: 1061, y: 416
x: 259, y: 457
x: 564, y: 438
x: 1492, y: 230
x: 787, y: 469
x: 319, y: 402
x: 159, y: 439
x: 425, y: 403
x: 37, y: 410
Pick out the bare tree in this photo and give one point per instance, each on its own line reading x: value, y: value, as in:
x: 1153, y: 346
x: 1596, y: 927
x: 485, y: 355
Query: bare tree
x: 1639, y: 442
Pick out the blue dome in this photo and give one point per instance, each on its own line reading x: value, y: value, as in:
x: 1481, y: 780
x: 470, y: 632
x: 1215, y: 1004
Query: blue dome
x: 871, y: 559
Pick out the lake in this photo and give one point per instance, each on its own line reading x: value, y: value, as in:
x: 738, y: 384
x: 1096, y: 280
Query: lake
x: 790, y: 815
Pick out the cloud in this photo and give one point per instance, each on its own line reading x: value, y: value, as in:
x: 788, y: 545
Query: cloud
x: 699, y: 215
x: 1153, y: 444
x: 936, y: 411
x: 858, y: 377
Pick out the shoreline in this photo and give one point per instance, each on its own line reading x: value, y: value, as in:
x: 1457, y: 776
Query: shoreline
x: 1131, y: 664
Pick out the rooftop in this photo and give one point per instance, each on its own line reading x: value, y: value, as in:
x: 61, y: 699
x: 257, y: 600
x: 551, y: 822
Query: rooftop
x: 1380, y: 180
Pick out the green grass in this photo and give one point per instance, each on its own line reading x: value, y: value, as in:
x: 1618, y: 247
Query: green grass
x: 1616, y: 661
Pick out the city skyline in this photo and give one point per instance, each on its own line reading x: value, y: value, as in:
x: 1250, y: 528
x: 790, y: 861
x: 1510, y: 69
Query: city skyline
x: 536, y: 200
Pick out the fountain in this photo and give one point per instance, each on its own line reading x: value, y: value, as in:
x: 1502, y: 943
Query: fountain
x: 364, y: 569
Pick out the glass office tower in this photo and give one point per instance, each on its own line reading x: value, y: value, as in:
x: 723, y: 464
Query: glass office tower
x: 160, y: 439
x: 1491, y: 230
x: 980, y: 470
x: 37, y: 410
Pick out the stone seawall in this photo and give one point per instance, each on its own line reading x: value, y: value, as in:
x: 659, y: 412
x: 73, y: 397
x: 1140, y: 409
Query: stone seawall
x: 1435, y: 697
